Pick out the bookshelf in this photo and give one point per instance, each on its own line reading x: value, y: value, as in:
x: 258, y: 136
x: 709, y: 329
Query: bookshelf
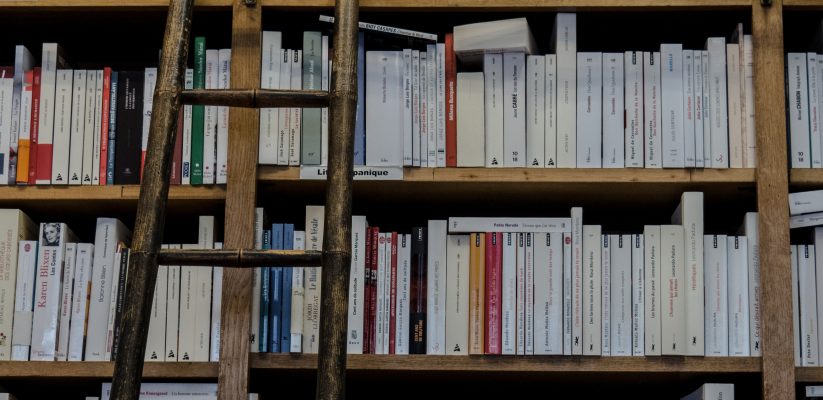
x: 248, y: 185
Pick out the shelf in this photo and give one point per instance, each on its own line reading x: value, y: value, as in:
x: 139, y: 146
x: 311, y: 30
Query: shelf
x: 808, y: 374
x: 806, y: 177
x: 109, y: 4
x: 803, y: 4
x: 103, y: 370
x: 103, y: 193
x: 534, y: 5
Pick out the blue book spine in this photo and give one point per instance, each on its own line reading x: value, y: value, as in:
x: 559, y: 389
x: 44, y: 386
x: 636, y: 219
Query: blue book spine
x: 285, y: 313
x: 112, y: 130
x: 276, y: 287
x: 360, y: 120
x: 264, y: 298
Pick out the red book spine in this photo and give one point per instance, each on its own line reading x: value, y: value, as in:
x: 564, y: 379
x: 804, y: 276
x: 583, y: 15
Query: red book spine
x: 373, y: 306
x: 451, y: 103
x: 393, y: 294
x: 104, y: 125
x: 367, y: 326
x: 494, y: 277
x: 177, y: 158
x: 35, y: 127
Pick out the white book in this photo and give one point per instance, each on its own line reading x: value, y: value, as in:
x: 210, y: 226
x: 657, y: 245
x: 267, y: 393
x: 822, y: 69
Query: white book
x: 401, y: 342
x: 605, y: 295
x: 471, y: 41
x: 415, y: 108
x: 529, y: 286
x: 436, y: 288
x: 535, y: 111
x: 520, y: 268
x: 284, y: 115
x: 514, y: 119
x: 713, y: 391
x: 407, y: 110
x: 651, y: 269
x: 216, y: 306
x: 613, y: 109
x: 295, y: 114
x: 23, y: 62
x: 88, y: 128
x: 325, y: 78
x: 697, y: 96
x: 689, y: 108
x: 14, y: 226
x: 66, y: 291
x: 652, y: 110
x: 471, y: 133
x: 638, y: 296
x: 431, y: 106
x: 259, y: 221
x: 795, y: 307
x: 564, y: 44
x: 52, y: 60
x: 457, y: 289
x: 297, y: 298
x: 621, y: 292
x: 80, y: 300
x: 156, y: 337
x: 811, y: 300
x: 423, y: 72
x: 672, y: 134
x: 494, y: 104
x: 354, y: 338
x: 51, y: 251
x: 62, y: 128
x: 589, y: 110
x: 717, y: 303
x: 739, y: 295
x: 224, y: 64
x: 672, y: 278
x: 750, y: 229
x: 567, y: 294
x: 806, y: 202
x: 508, y: 296
x: 186, y: 338
x: 110, y: 233
x: 210, y: 118
x: 734, y: 107
x: 550, y: 137
x: 149, y: 82
x: 750, y: 150
x: 202, y: 293
x: 381, y: 299
x: 188, y: 83
x: 633, y: 97
x: 78, y: 125
x: 24, y: 300
x: 520, y: 225
x: 440, y: 70
x: 98, y: 126
x: 718, y: 112
x: 118, y: 276
x: 591, y: 290
x: 269, y: 79
x: 805, y: 220
x: 312, y: 281
x: 173, y: 291
x: 577, y: 280
x: 707, y: 121
x: 548, y: 293
x: 689, y: 214
x: 384, y: 108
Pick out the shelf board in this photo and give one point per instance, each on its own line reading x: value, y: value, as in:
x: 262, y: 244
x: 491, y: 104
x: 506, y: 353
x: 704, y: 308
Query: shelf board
x: 103, y: 193
x: 806, y: 176
x: 803, y: 4
x: 103, y: 370
x: 518, y: 4
x: 808, y: 374
x: 108, y: 4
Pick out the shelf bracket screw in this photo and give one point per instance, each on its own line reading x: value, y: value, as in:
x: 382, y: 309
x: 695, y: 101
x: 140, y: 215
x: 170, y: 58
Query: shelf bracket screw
x: 252, y: 3
x: 765, y: 3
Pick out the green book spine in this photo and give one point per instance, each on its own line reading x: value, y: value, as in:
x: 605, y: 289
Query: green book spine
x: 310, y: 135
x: 198, y: 113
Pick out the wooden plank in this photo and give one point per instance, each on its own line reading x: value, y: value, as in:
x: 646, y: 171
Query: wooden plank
x: 57, y: 193
x: 736, y: 175
x: 233, y: 382
x: 793, y: 4
x: 533, y: 5
x: 183, y: 192
x: 806, y: 177
x: 808, y: 374
x: 107, y: 4
x: 97, y: 370
x: 494, y: 363
x: 772, y: 197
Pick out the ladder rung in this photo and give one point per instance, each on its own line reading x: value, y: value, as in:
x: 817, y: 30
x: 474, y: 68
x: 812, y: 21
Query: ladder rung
x: 240, y: 258
x: 256, y: 98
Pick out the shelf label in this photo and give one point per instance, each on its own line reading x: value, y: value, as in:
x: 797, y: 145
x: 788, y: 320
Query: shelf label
x: 361, y: 173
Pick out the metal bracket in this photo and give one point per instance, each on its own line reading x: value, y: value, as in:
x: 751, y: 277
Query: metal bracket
x: 765, y: 3
x: 252, y: 3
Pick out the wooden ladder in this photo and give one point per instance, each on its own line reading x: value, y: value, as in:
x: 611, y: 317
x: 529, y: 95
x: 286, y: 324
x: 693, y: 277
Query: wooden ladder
x: 151, y: 207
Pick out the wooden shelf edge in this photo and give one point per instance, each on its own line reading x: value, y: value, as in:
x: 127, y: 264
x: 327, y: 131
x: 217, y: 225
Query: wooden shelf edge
x: 808, y: 374
x: 518, y: 4
x: 802, y: 4
x: 806, y: 176
x: 103, y: 370
x: 104, y: 4
x: 539, y: 364
x: 104, y: 193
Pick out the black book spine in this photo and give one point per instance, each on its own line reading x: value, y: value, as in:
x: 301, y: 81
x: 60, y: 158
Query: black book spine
x: 417, y: 333
x: 121, y: 296
x: 128, y: 143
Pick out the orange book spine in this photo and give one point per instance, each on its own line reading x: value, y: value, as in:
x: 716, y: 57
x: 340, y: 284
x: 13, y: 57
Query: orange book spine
x: 24, y: 141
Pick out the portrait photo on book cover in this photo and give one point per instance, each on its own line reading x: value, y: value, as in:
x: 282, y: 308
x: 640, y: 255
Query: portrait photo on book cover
x: 51, y: 234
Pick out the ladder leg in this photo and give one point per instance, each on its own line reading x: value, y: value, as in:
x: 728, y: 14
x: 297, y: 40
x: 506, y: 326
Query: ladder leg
x: 331, y: 371
x: 151, y: 206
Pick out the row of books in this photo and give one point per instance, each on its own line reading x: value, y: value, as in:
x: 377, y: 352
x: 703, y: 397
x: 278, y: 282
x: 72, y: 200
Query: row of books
x: 63, y: 126
x: 534, y: 286
x: 807, y: 290
x: 171, y: 391
x: 672, y: 108
x: 63, y: 298
x: 804, y: 109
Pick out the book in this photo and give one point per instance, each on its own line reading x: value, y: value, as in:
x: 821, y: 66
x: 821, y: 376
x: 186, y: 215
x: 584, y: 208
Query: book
x: 806, y: 202
x: 717, y: 295
x: 458, y: 279
x: 471, y: 41
x: 24, y: 300
x: 81, y: 298
x: 471, y: 134
x: 520, y: 225
x: 564, y: 44
x: 15, y: 227
x: 477, y: 298
x: 712, y: 391
x: 436, y: 287
x: 418, y: 307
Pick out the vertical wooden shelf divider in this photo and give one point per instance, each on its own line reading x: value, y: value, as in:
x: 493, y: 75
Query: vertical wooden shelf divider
x: 772, y: 203
x: 241, y: 194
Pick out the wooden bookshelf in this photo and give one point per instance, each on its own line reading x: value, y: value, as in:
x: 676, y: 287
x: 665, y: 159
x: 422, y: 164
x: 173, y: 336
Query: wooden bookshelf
x: 103, y: 370
x: 510, y: 5
x: 103, y: 193
x: 105, y: 4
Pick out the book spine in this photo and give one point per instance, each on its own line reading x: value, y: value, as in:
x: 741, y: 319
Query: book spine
x: 118, y: 296
x: 23, y: 62
x: 739, y: 300
x: 81, y: 299
x: 177, y: 153
x: 46, y: 318
x: 529, y: 345
x: 275, y: 285
x: 542, y: 247
x: 66, y: 291
x: 285, y: 317
x: 477, y: 303
x: 493, y: 288
x: 284, y: 114
x: 98, y: 125
x: 188, y: 132
x: 224, y: 71
x: 458, y: 278
x: 567, y: 294
x: 173, y: 290
x: 638, y: 295
x: 577, y: 280
x: 441, y: 104
x: 34, y: 131
x: 198, y: 112
x: 156, y: 337
x: 689, y: 108
x: 392, y: 263
x: 105, y: 119
x: 734, y: 106
x: 651, y: 113
x: 297, y: 298
x: 451, y: 106
x: 750, y: 151
x: 565, y: 45
x: 606, y: 247
x: 550, y: 152
x: 24, y: 299
x: 431, y: 106
x: 419, y: 271
x: 384, y: 104
x: 216, y: 306
x: 672, y: 277
x: 129, y: 133
x: 354, y: 339
x: 24, y: 138
x: 717, y: 283
x: 471, y: 135
x: 672, y: 135
x: 514, y: 119
x: 13, y: 225
x: 415, y: 108
x: 508, y: 294
x: 210, y: 119
x: 520, y: 322
x: 795, y: 307
x: 404, y: 292
x: 295, y: 114
x: 716, y: 47
x: 436, y: 288
x: 256, y: 286
x: 311, y: 309
x: 535, y: 78
x: 651, y: 267
x: 45, y: 137
x: 698, y: 90
x: 613, y: 111
x: 325, y: 77
x: 691, y: 217
x: 493, y: 99
x: 621, y: 292
x: 360, y: 119
x: 592, y: 290
x: 373, y: 292
x: 707, y: 123
x: 269, y: 79
x: 112, y: 133
x: 753, y: 242
x: 311, y: 130
x: 149, y: 82
x: 62, y: 128
x: 589, y: 110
